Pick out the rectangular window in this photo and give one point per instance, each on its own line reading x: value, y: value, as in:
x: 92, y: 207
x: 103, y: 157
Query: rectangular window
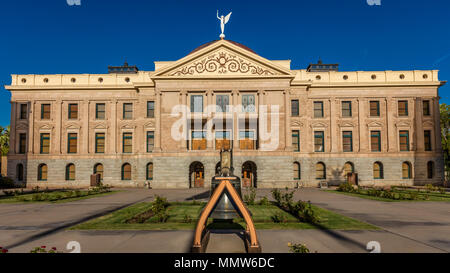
x: 375, y: 141
x: 248, y: 103
x: 247, y: 140
x: 127, y: 143
x: 426, y: 108
x: 427, y: 140
x: 222, y: 102
x: 374, y: 108
x: 150, y: 109
x: 295, y: 108
x: 100, y: 111
x: 318, y: 109
x: 403, y: 108
x: 23, y: 111
x: 296, y: 140
x: 22, y: 143
x: 150, y: 141
x: 73, y: 111
x: 72, y: 143
x: 404, y: 141
x: 45, y: 111
x: 127, y: 111
x: 319, y: 142
x: 45, y: 143
x: 198, y: 141
x: 100, y: 143
x: 197, y: 103
x: 347, y: 141
x: 223, y: 140
x: 346, y: 109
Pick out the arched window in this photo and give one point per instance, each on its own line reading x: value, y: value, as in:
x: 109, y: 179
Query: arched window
x: 297, y: 171
x: 430, y: 169
x: 42, y: 172
x: 150, y: 171
x: 98, y: 169
x: 348, y: 168
x: 19, y: 172
x: 70, y: 172
x: 406, y: 170
x: 126, y: 171
x: 321, y: 171
x: 378, y: 170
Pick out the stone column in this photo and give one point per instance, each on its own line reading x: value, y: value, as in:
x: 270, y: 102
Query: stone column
x: 235, y: 98
x: 31, y: 116
x: 114, y: 130
x: 209, y: 101
x: 184, y: 103
x: 391, y: 135
x: 419, y: 126
x: 12, y: 133
x: 437, y: 125
x: 287, y: 122
x: 85, y: 129
x: 158, y: 122
x: 58, y: 138
x: 334, y: 135
x: 363, y: 142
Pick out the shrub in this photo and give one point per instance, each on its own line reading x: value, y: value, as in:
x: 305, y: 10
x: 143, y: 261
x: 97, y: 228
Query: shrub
x: 159, y: 204
x: 287, y: 199
x: 298, y: 248
x: 276, y: 194
x: 7, y: 183
x: 187, y: 219
x: 162, y: 217
x: 346, y: 187
x: 264, y: 201
x: 39, y: 197
x: 307, y: 214
x: 429, y: 188
x: 279, y: 218
x: 249, y: 198
x: 159, y: 207
x: 442, y: 190
x: 8, y: 193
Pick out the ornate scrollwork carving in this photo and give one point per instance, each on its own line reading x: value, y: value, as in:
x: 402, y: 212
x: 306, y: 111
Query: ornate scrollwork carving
x: 222, y: 63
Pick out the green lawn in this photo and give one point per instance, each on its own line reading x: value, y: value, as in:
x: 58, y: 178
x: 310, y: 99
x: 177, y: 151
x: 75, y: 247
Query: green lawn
x: 51, y: 197
x: 433, y: 196
x: 262, y: 216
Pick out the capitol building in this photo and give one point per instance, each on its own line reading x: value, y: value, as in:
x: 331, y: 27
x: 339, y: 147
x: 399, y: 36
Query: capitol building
x: 287, y: 127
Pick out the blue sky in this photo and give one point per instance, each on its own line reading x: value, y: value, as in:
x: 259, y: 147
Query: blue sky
x: 51, y: 37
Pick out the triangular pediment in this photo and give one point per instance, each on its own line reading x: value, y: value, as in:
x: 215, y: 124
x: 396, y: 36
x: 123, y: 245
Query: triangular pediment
x: 375, y: 124
x: 222, y: 59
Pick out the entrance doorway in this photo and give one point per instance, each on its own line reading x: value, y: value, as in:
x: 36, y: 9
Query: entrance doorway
x: 197, y: 175
x: 249, y: 175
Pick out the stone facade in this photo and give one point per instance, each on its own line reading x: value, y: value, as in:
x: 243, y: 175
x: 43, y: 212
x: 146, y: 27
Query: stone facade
x: 224, y: 68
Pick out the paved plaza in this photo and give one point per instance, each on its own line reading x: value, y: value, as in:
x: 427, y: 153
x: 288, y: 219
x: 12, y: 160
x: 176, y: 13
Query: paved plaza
x: 404, y: 226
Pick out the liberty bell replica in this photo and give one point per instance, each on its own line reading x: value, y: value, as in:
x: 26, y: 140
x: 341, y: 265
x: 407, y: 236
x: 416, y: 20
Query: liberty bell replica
x: 225, y: 209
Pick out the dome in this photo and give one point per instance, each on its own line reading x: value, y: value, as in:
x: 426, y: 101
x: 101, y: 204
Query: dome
x: 212, y: 42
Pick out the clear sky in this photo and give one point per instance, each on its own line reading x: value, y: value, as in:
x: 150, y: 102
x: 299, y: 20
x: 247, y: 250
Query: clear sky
x: 52, y: 37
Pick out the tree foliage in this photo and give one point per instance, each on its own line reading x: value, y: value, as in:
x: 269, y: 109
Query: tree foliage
x: 445, y: 131
x: 4, y: 140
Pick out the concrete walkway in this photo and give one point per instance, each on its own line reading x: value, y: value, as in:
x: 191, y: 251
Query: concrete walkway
x: 408, y: 226
x: 425, y: 222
